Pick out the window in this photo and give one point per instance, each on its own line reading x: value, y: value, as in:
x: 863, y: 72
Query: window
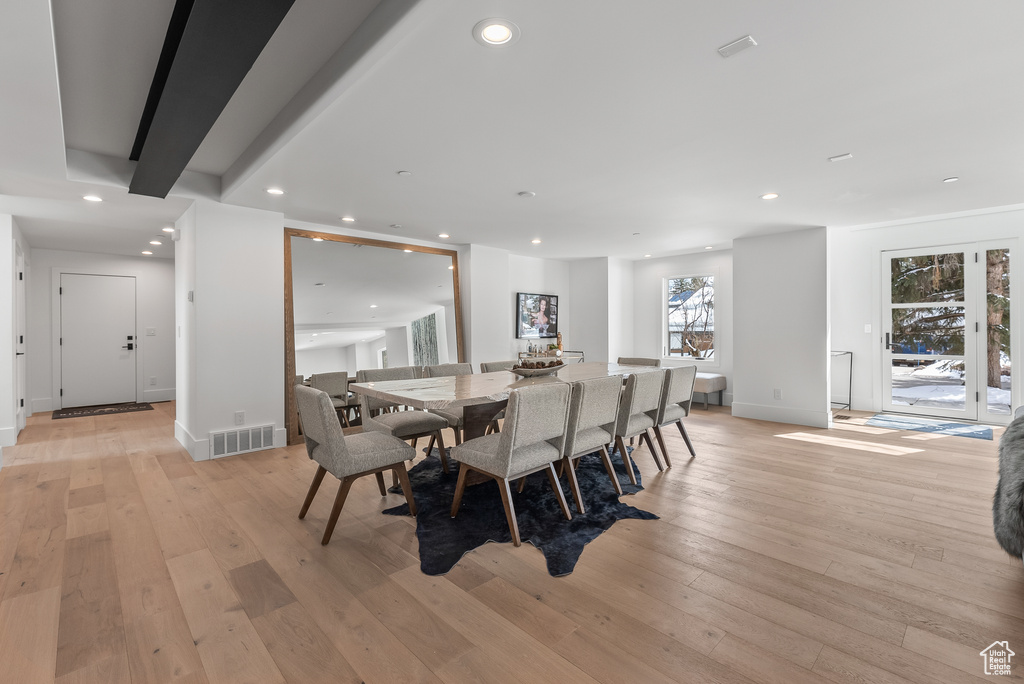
x: 690, y: 317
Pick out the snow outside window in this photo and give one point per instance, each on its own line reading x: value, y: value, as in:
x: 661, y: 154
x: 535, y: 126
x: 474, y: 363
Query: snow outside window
x: 690, y: 317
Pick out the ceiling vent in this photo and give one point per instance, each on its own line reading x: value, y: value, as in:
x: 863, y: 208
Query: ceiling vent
x: 737, y: 46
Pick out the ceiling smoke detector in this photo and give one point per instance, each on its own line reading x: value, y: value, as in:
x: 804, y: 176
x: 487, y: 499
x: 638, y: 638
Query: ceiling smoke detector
x: 737, y: 46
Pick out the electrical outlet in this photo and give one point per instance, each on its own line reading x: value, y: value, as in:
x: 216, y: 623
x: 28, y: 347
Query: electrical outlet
x: 152, y: 379
x: 239, y: 417
x: 777, y: 393
x: 867, y: 327
x: 150, y: 332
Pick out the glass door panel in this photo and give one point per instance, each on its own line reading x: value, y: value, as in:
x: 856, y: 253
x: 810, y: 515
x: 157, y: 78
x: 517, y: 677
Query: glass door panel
x: 997, y: 338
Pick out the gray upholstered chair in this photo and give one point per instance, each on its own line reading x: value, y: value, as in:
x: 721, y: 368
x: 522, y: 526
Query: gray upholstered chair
x: 336, y: 386
x: 676, y: 397
x: 454, y: 416
x: 639, y: 361
x: 381, y: 416
x: 533, y: 439
x: 593, y: 409
x: 347, y: 458
x: 495, y: 366
x: 638, y: 411
x: 298, y: 380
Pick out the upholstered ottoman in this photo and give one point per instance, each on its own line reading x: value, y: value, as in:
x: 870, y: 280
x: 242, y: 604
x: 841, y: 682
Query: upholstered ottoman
x: 706, y: 383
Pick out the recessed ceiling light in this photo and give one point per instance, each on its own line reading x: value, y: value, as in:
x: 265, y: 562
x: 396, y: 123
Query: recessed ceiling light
x: 647, y: 256
x: 841, y: 157
x: 444, y: 236
x: 407, y: 251
x: 319, y: 284
x: 527, y: 193
x: 535, y: 241
x: 313, y: 335
x: 92, y: 198
x: 155, y: 242
x: 147, y: 252
x: 396, y: 226
x: 275, y: 191
x: 737, y: 46
x: 168, y: 229
x: 450, y: 268
x: 635, y: 234
x: 318, y: 239
x: 495, y: 32
x: 709, y: 247
x: 373, y: 306
x: 404, y: 173
x: 770, y: 196
x: 951, y: 179
x: 347, y: 219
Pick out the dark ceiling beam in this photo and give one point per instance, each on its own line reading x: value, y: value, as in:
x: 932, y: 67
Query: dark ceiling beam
x: 220, y: 42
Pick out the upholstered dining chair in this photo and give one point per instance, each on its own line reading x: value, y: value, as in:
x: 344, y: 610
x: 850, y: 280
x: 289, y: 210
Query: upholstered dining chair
x: 336, y: 386
x: 638, y: 361
x: 638, y: 410
x: 495, y: 366
x: 347, y: 458
x: 533, y: 439
x: 401, y: 424
x: 593, y: 409
x: 454, y: 416
x: 676, y: 397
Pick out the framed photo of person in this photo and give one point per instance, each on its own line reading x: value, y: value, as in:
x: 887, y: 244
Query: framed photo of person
x: 536, y: 315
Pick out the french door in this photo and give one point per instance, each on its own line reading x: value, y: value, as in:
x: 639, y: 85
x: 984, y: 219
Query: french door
x: 946, y: 332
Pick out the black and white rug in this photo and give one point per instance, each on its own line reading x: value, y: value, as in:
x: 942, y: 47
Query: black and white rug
x: 105, y: 410
x: 443, y: 540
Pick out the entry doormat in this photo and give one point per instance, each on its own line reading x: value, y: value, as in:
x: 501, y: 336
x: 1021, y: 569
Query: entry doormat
x: 938, y: 426
x: 109, y: 409
x: 444, y: 539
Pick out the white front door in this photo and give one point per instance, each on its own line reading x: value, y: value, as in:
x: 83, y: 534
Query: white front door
x: 946, y: 329
x: 20, y: 378
x: 98, y: 340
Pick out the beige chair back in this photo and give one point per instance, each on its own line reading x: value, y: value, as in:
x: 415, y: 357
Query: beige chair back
x: 678, y: 390
x: 639, y: 361
x: 593, y: 409
x: 641, y: 399
x: 325, y: 442
x: 534, y: 429
x: 495, y: 366
x: 446, y: 370
x: 335, y: 384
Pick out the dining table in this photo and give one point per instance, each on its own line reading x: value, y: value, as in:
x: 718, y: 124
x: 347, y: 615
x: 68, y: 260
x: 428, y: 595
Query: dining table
x: 482, y: 396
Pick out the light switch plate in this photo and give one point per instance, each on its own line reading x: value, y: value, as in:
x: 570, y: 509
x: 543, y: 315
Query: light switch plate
x: 150, y: 332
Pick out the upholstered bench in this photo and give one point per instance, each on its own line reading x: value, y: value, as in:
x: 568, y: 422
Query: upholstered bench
x: 706, y: 383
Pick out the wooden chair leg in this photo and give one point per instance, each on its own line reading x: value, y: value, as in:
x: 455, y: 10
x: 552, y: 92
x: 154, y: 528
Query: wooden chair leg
x: 574, y: 484
x: 460, y: 488
x: 626, y: 461
x: 315, y: 485
x: 661, y: 443
x: 394, y: 479
x: 458, y: 435
x: 606, y: 459
x: 686, y: 437
x: 380, y: 484
x: 645, y: 438
x: 521, y: 485
x: 557, y: 489
x: 339, y: 501
x: 403, y: 477
x: 343, y: 415
x: 442, y: 451
x: 430, y: 445
x: 510, y: 510
x: 414, y: 440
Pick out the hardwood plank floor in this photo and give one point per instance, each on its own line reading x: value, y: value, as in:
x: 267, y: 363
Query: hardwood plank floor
x: 782, y: 554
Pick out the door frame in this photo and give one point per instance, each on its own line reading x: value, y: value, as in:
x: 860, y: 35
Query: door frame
x: 21, y: 408
x: 974, y: 295
x: 55, y: 323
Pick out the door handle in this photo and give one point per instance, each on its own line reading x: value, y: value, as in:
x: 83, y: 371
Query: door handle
x: 887, y: 344
x: 19, y: 353
x: 128, y: 346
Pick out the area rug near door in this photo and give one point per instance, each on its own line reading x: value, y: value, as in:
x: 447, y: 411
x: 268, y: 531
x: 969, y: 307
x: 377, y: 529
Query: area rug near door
x: 106, y: 410
x: 444, y: 540
x: 940, y: 427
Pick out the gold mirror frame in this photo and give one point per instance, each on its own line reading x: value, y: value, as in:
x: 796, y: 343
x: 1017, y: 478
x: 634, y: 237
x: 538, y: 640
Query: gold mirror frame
x: 290, y: 411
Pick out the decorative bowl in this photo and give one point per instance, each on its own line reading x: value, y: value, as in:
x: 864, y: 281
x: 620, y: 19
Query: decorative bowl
x: 535, y: 372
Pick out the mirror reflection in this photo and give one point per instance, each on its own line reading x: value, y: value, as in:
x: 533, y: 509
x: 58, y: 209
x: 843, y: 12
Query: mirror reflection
x: 358, y: 304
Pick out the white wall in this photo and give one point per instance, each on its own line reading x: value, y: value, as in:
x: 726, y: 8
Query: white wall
x: 856, y: 287
x: 781, y: 327
x: 486, y: 301
x: 621, y: 315
x: 539, y: 276
x: 399, y: 346
x: 321, y: 360
x: 9, y: 236
x: 154, y: 303
x: 649, y: 278
x: 234, y: 328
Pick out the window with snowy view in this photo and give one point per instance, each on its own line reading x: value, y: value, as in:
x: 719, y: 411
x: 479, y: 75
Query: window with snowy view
x: 691, y: 317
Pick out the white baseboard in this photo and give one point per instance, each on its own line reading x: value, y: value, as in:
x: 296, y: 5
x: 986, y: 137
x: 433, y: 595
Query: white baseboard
x: 41, y: 405
x: 782, y: 414
x: 155, y: 395
x: 8, y: 436
x: 198, y: 449
x: 281, y: 437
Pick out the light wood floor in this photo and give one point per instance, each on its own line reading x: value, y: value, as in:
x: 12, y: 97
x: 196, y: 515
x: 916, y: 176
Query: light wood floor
x: 783, y: 554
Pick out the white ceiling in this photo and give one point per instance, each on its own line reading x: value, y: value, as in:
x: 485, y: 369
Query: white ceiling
x: 621, y: 117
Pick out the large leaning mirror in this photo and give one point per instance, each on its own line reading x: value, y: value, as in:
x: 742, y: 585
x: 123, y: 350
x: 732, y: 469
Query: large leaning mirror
x: 357, y: 303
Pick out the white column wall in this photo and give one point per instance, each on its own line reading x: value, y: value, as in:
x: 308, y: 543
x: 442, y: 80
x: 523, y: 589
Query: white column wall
x: 8, y: 274
x: 781, y: 325
x: 234, y: 328
x: 621, y: 315
x: 487, y: 303
x: 399, y: 347
x: 588, y: 327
